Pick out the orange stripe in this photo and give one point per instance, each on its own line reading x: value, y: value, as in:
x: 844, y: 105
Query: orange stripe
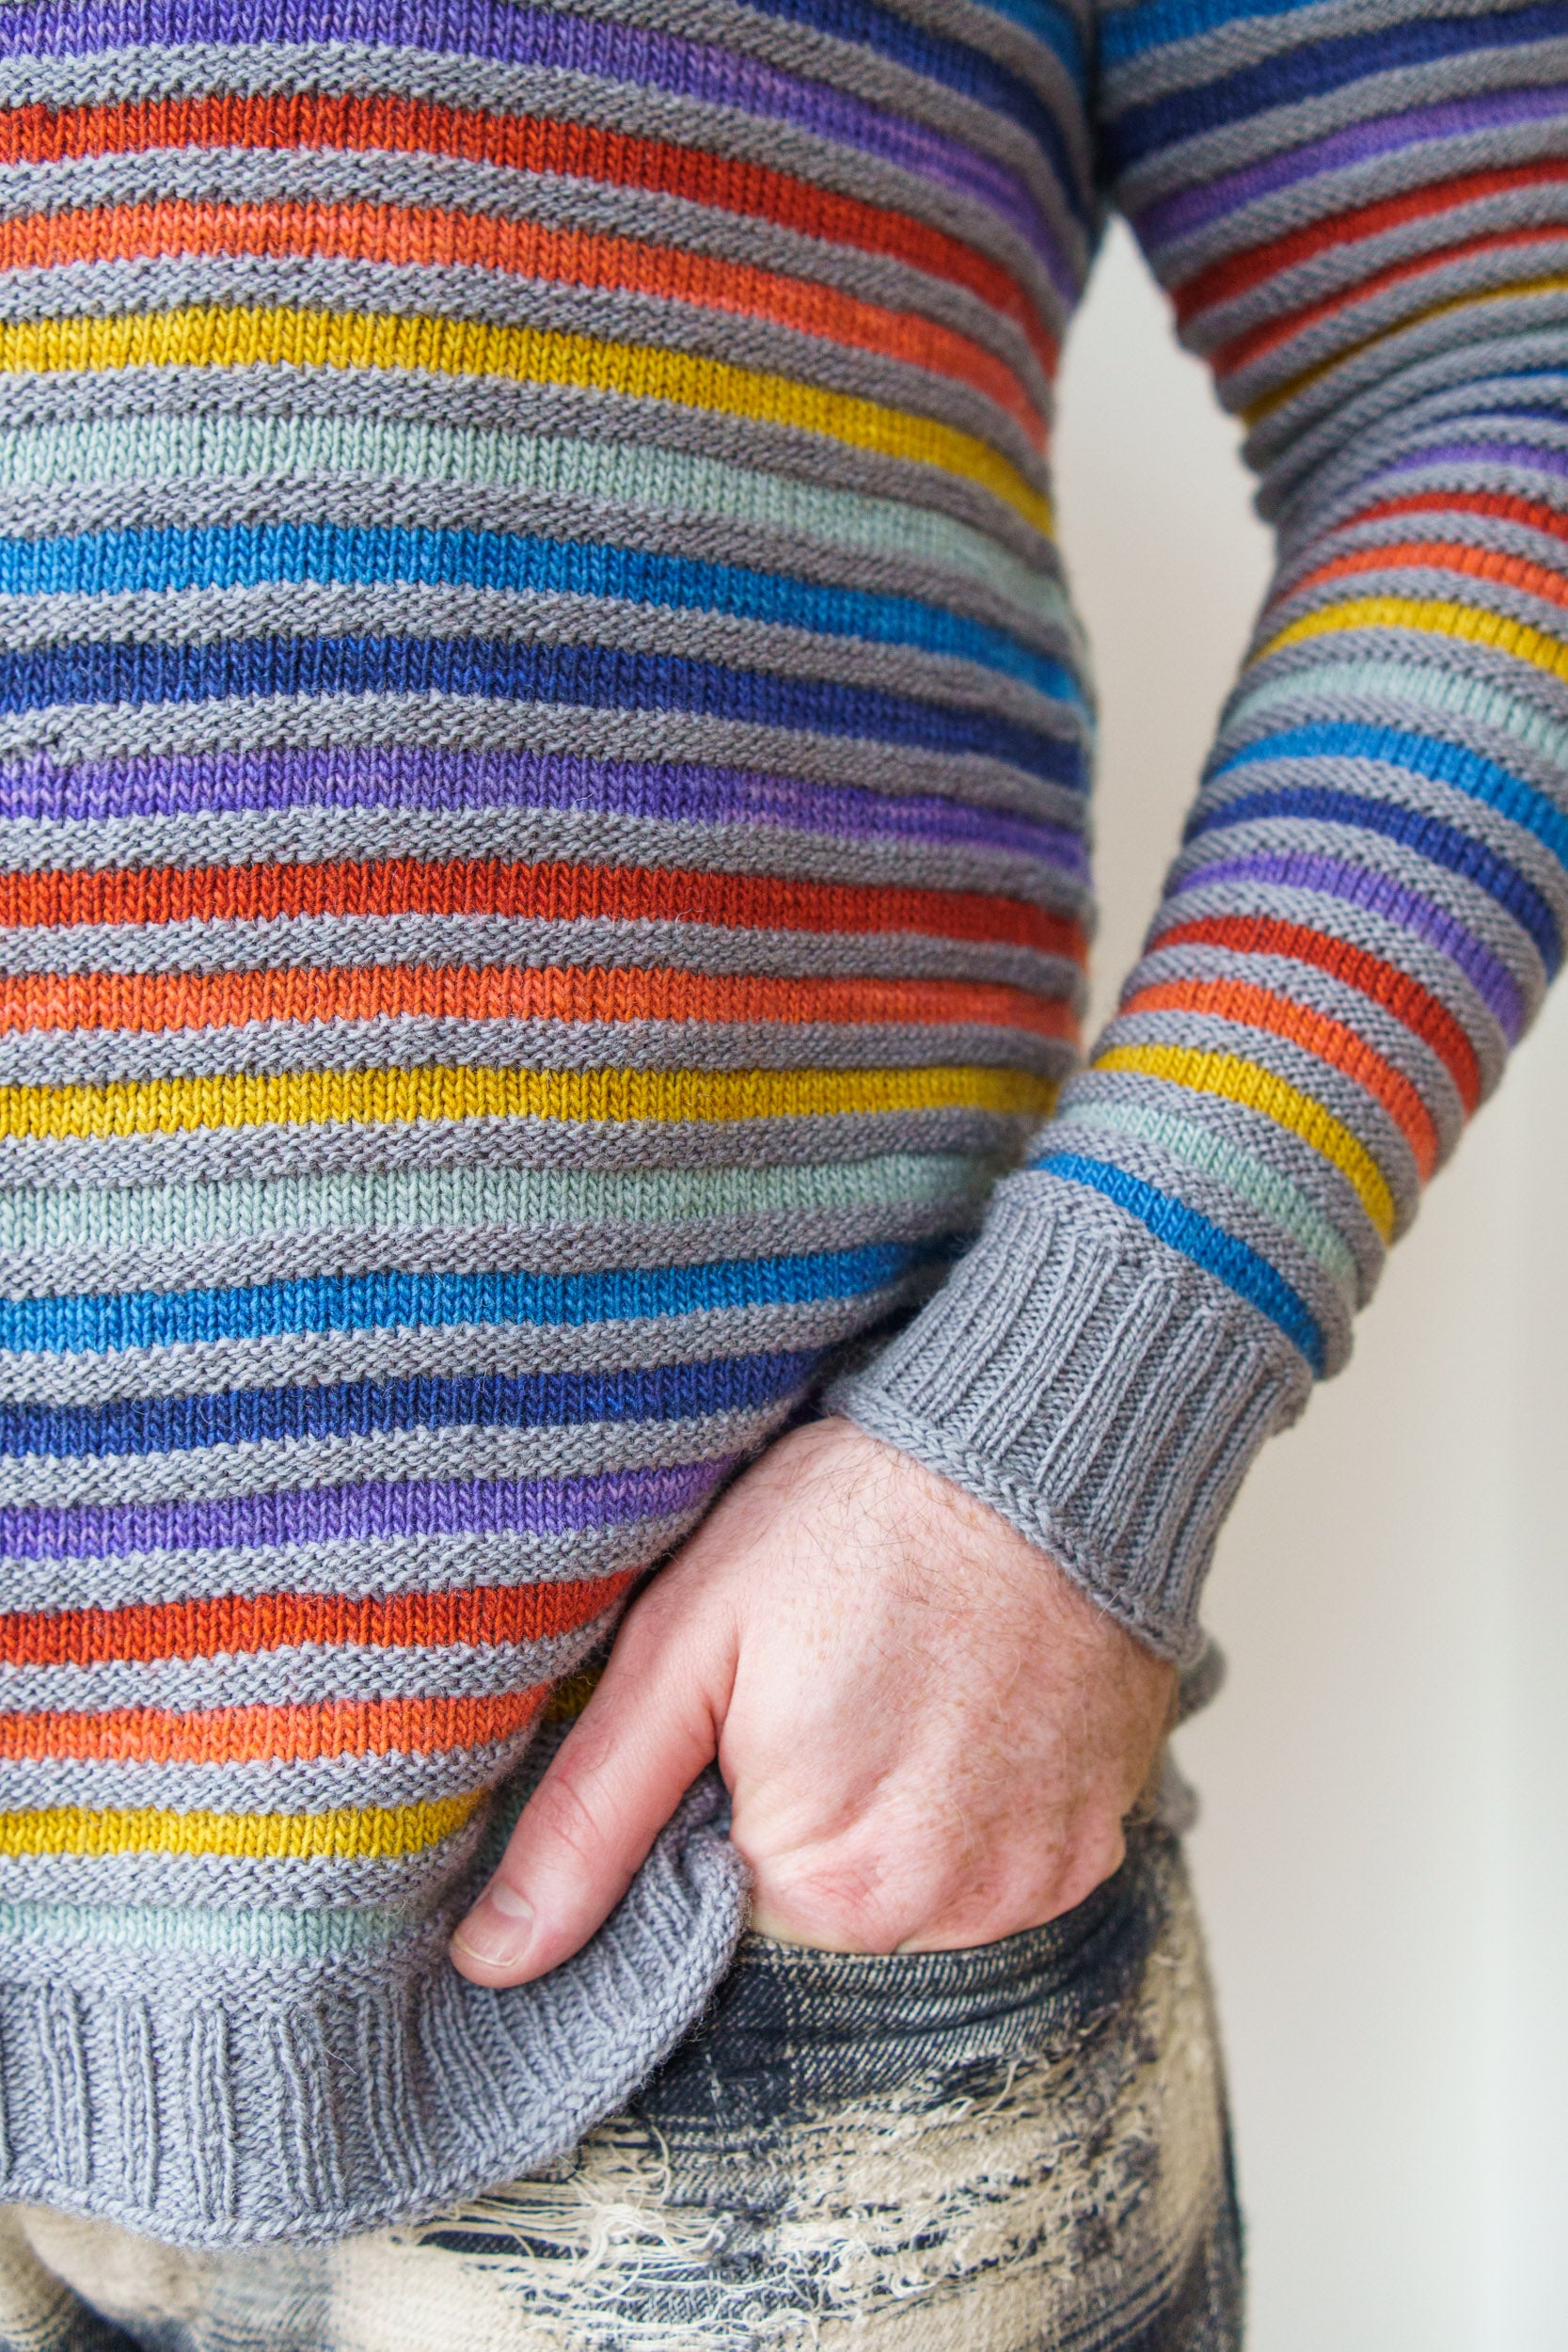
x: 1267, y: 338
x: 243, y: 1624
x: 1331, y: 1041
x: 523, y: 144
x: 148, y: 1001
x: 1449, y: 555
x: 434, y: 238
x: 549, y: 893
x: 282, y: 1735
x: 1240, y: 272
x: 1410, y: 1005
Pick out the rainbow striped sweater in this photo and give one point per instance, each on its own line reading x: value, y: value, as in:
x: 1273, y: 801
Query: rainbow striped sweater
x: 544, y: 757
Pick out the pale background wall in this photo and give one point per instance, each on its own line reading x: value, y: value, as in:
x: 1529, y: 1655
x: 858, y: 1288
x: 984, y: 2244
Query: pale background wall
x: 1382, y: 1856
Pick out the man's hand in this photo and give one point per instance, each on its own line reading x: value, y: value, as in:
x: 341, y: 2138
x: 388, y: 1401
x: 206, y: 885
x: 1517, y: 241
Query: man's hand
x: 930, y: 1735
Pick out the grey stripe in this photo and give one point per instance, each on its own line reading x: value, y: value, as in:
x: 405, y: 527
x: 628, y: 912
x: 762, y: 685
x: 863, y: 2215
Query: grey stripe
x: 497, y: 298
x: 499, y: 191
x: 89, y: 732
x: 297, y: 1677
x: 498, y: 403
x: 316, y: 1358
x: 350, y: 69
x: 478, y: 1250
x: 203, y: 1155
x: 320, y: 834
x: 55, y: 1057
x: 377, y: 1568
x: 290, y: 942
x: 586, y: 1448
x: 314, y: 1787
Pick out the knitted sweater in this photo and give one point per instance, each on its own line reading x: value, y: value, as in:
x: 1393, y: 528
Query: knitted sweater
x: 543, y: 754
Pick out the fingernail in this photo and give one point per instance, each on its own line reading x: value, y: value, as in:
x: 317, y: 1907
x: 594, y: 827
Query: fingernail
x: 499, y: 1928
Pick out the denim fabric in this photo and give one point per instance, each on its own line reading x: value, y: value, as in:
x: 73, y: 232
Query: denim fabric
x: 1003, y: 2150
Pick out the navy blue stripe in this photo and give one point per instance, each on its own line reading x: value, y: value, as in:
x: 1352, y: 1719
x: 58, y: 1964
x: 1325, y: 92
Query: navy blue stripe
x: 1428, y: 837
x: 593, y: 677
x: 359, y: 1302
x: 1313, y: 70
x: 364, y: 1408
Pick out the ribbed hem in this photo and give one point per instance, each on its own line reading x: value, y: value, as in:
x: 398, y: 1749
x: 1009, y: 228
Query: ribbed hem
x: 1096, y: 1387
x: 283, y: 2110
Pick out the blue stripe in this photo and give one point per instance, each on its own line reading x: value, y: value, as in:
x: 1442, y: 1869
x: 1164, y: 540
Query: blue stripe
x: 1428, y: 837
x: 124, y: 562
x: 1423, y: 755
x: 1208, y: 1246
x: 591, y: 676
x: 363, y: 1408
x: 1313, y: 70
x: 368, y: 1301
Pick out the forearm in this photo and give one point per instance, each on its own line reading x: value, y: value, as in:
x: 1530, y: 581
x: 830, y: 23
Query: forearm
x: 1368, y: 901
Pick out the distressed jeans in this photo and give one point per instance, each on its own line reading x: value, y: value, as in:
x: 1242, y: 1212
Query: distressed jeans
x: 1021, y: 2147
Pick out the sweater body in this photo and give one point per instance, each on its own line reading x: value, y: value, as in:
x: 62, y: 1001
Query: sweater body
x: 544, y: 753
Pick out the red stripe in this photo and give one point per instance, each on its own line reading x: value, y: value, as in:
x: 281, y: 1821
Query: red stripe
x: 1530, y: 512
x: 1442, y: 555
x: 1239, y: 272
x: 238, y: 1624
x: 1385, y: 983
x: 545, y: 892
x: 279, y: 1735
x: 524, y: 144
x: 1330, y: 1040
x: 1273, y: 332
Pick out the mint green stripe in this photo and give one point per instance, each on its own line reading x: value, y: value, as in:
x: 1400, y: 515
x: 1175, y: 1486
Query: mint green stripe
x: 284, y: 1937
x: 117, y: 449
x: 1447, y: 693
x: 180, y: 1216
x: 1212, y: 1155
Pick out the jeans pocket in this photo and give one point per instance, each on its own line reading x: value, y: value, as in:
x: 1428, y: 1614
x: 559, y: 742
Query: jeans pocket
x: 793, y: 2029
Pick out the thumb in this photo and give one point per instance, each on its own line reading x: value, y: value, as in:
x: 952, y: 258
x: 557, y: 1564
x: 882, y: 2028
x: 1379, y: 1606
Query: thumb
x: 647, y: 1731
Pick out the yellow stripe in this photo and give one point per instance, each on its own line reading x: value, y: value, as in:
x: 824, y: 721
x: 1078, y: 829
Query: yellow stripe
x: 328, y: 339
x: 374, y: 1097
x: 1556, y: 283
x: 1261, y: 1090
x: 1439, y: 617
x: 372, y: 1834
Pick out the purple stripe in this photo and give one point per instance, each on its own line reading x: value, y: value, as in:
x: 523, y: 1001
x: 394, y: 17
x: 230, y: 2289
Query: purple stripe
x: 1178, y: 215
x: 413, y: 778
x: 1482, y: 453
x: 1361, y: 887
x: 381, y: 1510
x: 527, y: 37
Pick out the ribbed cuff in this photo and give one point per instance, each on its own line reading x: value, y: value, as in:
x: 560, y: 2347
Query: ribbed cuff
x: 1096, y: 1387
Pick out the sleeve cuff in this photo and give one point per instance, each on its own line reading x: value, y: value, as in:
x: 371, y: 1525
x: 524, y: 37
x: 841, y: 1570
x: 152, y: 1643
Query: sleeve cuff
x: 1095, y: 1387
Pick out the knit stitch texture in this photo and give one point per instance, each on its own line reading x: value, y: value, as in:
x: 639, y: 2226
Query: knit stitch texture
x: 544, y: 766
